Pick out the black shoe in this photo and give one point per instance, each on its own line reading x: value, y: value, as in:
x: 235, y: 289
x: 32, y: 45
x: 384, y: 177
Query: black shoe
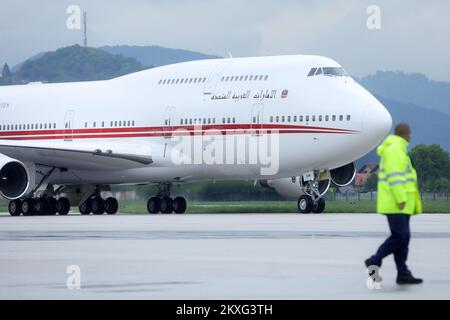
x: 408, y: 280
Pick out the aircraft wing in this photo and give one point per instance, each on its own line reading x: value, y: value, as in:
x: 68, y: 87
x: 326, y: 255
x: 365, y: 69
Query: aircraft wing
x: 81, y: 155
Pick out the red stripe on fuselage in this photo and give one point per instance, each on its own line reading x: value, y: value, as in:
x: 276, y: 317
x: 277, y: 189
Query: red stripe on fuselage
x: 185, y: 133
x: 168, y: 130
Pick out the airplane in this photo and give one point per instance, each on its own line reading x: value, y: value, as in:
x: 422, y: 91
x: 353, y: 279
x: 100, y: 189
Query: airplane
x: 63, y: 144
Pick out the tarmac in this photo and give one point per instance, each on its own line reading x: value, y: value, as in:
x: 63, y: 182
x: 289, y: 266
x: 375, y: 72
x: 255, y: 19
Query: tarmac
x: 215, y: 256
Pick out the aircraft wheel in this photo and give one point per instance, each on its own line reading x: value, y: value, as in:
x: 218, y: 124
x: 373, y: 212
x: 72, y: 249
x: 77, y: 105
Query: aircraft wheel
x: 86, y: 207
x: 305, y: 204
x: 98, y: 206
x: 51, y: 206
x: 166, y: 205
x: 153, y: 205
x: 319, y: 206
x: 179, y: 205
x: 40, y: 207
x: 111, y: 205
x: 28, y: 207
x: 63, y: 206
x: 15, y: 208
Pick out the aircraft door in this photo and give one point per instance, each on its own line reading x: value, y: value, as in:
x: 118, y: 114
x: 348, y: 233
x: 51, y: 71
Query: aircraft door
x: 257, y: 117
x: 168, y: 124
x: 69, y: 125
x: 214, y: 78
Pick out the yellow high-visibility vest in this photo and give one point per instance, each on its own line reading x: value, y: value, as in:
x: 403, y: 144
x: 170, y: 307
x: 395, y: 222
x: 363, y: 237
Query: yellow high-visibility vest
x: 397, y: 178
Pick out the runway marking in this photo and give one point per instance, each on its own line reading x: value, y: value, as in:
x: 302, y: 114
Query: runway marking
x: 191, y: 235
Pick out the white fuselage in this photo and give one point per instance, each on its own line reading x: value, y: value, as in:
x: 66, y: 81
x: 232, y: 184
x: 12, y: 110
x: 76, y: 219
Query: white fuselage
x: 323, y: 121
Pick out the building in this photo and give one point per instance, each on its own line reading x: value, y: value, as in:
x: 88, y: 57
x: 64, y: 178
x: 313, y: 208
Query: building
x: 365, y: 172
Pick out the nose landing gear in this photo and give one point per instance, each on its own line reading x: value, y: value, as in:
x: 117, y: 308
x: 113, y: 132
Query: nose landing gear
x: 314, y: 186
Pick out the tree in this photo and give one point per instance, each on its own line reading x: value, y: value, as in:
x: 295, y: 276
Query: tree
x: 442, y: 184
x: 6, y: 75
x: 433, y: 167
x: 6, y: 72
x: 371, y: 183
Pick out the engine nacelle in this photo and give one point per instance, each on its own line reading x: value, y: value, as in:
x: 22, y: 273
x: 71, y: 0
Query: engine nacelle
x: 14, y: 178
x: 344, y: 175
x: 291, y: 188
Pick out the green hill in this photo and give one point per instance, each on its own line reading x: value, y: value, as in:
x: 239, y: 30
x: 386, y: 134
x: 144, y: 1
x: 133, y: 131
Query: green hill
x: 76, y: 63
x: 157, y: 56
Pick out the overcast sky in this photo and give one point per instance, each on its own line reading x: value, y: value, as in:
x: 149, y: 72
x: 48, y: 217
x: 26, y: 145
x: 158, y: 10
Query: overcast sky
x: 414, y: 34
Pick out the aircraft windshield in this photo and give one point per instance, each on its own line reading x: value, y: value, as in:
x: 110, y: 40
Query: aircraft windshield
x: 328, y: 71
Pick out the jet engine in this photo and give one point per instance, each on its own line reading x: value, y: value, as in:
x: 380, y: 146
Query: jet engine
x: 344, y: 175
x: 14, y: 178
x: 292, y: 188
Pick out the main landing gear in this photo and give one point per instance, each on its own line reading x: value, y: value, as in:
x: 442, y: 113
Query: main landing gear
x: 163, y: 203
x: 97, y: 205
x: 39, y: 206
x: 314, y: 189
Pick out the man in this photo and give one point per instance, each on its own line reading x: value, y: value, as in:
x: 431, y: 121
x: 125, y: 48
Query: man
x: 398, y: 199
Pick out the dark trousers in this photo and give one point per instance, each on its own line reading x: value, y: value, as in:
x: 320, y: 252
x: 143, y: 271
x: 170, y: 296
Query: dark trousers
x: 396, y: 244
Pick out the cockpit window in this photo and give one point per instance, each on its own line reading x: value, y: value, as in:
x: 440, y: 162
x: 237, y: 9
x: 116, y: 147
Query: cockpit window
x: 311, y: 72
x: 328, y: 71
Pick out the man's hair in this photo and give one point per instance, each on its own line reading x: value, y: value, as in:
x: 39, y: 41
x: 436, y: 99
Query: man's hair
x: 402, y: 129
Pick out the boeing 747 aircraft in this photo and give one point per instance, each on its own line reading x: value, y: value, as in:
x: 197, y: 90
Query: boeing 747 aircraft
x: 283, y: 120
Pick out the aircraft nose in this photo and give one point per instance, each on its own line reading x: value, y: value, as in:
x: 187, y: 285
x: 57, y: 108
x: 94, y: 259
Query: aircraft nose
x: 377, y: 122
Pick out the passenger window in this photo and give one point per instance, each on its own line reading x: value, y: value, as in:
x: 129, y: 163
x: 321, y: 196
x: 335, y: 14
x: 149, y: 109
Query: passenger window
x: 341, y: 117
x: 327, y: 117
x: 181, y: 121
x: 234, y: 120
x: 266, y: 77
x: 289, y: 119
x: 313, y: 118
x: 260, y: 78
x: 295, y: 119
x: 320, y: 118
x: 307, y: 119
x: 85, y: 125
x: 278, y: 118
x: 246, y: 78
x: 333, y: 117
x: 271, y: 118
x: 94, y: 124
x: 282, y: 118
x: 228, y: 120
x: 348, y: 117
x: 318, y: 71
x: 250, y: 79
